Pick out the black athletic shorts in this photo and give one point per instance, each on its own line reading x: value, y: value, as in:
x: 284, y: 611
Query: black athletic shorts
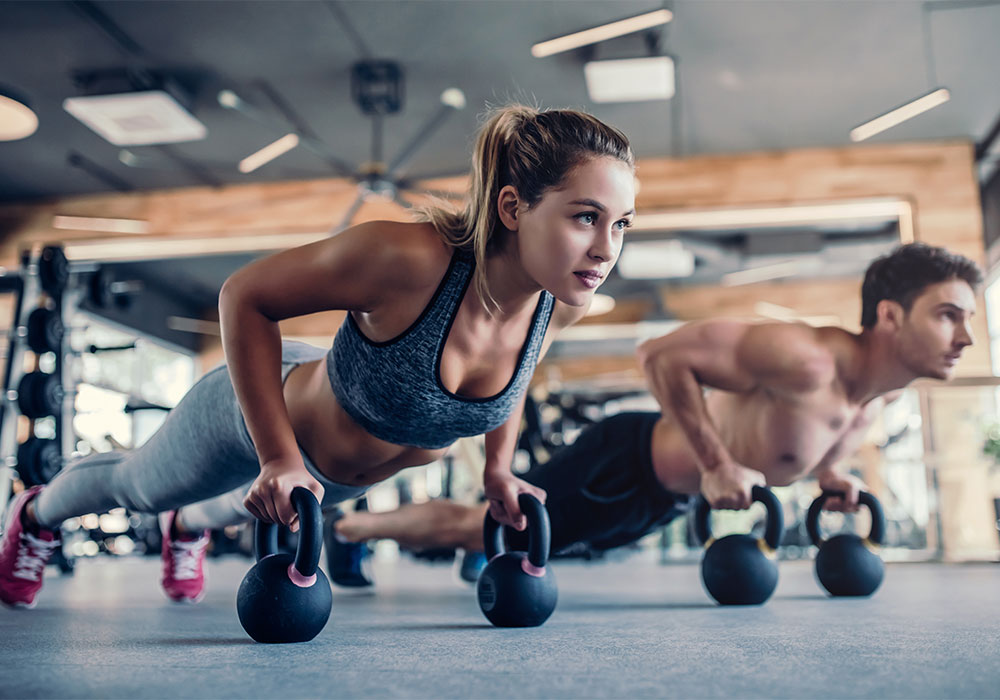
x: 602, y: 489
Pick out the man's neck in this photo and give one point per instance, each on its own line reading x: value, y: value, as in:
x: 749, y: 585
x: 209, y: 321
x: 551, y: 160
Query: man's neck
x: 874, y: 368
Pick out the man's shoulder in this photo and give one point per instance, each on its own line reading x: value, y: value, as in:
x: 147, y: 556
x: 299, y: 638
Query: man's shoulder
x: 809, y: 355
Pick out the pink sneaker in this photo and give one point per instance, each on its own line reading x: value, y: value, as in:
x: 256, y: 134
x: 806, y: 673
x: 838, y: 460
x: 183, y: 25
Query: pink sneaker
x: 183, y: 559
x: 23, y: 555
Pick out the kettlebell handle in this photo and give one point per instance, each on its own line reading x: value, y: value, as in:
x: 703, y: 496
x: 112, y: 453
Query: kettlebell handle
x: 775, y: 517
x: 310, y: 533
x: 539, y: 531
x: 877, y: 534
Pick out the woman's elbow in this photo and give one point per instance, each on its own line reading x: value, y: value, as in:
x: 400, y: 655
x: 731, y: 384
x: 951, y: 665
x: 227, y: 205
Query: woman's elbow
x: 234, y: 294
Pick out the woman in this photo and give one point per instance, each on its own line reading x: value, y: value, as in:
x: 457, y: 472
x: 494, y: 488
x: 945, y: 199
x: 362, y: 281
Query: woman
x: 448, y: 317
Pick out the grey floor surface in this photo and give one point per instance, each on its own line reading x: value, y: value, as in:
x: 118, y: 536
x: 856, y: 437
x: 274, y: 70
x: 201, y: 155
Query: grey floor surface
x: 622, y: 629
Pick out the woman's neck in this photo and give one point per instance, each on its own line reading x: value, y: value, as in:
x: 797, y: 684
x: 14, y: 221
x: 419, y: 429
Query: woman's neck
x: 510, y: 285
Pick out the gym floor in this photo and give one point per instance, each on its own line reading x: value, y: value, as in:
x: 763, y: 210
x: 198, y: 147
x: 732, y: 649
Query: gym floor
x: 625, y: 628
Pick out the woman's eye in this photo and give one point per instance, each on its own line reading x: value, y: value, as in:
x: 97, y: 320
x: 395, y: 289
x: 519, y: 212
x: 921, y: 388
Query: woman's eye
x: 587, y: 217
x: 623, y: 224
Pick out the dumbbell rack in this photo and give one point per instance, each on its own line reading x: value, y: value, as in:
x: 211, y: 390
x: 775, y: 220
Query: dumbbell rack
x: 36, y: 326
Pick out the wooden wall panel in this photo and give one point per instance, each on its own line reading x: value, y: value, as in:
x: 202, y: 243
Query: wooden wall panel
x: 937, y: 178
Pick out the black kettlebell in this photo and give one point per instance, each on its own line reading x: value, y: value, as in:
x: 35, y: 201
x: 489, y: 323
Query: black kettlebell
x: 516, y: 589
x: 741, y: 569
x: 846, y: 564
x: 285, y: 598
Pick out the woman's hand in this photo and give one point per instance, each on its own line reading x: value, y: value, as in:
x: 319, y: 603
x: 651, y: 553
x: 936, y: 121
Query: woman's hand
x: 270, y: 495
x: 501, y: 490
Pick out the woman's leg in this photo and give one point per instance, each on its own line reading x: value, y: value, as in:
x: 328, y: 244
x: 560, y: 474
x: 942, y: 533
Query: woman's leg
x: 201, y: 450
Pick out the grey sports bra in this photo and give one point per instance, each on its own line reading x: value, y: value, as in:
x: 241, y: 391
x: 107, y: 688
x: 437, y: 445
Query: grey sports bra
x: 393, y: 388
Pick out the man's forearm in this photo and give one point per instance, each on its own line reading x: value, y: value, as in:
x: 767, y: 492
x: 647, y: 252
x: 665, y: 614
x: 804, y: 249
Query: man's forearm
x: 682, y: 396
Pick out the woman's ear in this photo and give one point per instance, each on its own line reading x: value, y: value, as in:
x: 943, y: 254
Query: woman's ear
x: 508, y: 204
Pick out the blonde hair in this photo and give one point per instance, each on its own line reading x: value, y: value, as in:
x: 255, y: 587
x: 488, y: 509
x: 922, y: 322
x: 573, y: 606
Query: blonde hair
x: 530, y: 150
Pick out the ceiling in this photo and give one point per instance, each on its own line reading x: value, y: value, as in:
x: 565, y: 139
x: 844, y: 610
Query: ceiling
x: 752, y: 75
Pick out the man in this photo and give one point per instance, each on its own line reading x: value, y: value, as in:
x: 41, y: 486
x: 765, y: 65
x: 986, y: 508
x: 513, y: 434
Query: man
x: 786, y: 401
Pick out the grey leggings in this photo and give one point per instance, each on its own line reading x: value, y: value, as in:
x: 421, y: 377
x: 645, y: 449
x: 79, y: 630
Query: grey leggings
x: 201, y: 458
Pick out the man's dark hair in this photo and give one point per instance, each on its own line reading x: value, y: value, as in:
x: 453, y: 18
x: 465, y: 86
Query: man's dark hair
x: 906, y: 272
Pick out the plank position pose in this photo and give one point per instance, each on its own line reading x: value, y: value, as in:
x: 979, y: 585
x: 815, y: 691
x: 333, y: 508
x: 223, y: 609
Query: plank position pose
x: 447, y: 319
x: 786, y: 401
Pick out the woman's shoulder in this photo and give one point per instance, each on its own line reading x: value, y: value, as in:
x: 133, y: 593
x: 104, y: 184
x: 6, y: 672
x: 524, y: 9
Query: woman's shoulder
x: 412, y: 254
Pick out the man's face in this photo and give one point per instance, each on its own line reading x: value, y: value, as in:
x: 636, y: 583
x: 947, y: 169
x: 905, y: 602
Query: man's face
x: 937, y: 329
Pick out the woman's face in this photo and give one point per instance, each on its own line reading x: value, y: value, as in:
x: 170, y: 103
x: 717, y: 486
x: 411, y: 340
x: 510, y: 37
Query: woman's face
x: 569, y: 241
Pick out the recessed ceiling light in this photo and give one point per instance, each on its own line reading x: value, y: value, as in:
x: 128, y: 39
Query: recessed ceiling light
x: 137, y: 118
x: 630, y: 79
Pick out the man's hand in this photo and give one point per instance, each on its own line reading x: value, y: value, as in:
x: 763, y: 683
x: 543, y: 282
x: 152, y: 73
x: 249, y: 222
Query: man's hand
x: 502, y: 490
x: 849, y: 485
x: 728, y: 486
x: 270, y: 495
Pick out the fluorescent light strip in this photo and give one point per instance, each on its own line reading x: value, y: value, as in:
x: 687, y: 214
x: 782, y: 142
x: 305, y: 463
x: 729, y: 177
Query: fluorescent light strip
x: 170, y: 247
x: 771, y: 216
x: 90, y: 223
x: 768, y: 272
x: 269, y: 153
x: 617, y: 331
x: 193, y: 325
x: 601, y: 33
x: 776, y: 311
x: 900, y: 114
x: 783, y: 313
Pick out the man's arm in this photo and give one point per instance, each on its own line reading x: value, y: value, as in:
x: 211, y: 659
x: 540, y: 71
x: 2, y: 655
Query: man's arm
x: 732, y: 356
x: 828, y: 473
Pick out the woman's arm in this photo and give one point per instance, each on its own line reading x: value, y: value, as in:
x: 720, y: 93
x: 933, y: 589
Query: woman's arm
x: 356, y: 270
x: 500, y: 486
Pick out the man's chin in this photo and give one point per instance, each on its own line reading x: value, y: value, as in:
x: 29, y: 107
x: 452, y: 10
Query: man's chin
x: 942, y: 374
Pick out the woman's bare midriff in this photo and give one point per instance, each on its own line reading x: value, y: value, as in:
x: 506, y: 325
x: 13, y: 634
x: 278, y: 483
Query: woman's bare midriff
x: 341, y: 449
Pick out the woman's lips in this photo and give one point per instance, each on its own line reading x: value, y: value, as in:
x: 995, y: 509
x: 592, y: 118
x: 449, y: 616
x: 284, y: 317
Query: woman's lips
x: 590, y: 278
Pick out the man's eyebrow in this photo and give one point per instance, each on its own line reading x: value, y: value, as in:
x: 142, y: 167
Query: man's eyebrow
x: 956, y: 307
x: 597, y: 205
